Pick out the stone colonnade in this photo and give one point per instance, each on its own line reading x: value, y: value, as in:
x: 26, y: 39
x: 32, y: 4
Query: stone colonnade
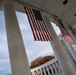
x: 18, y: 57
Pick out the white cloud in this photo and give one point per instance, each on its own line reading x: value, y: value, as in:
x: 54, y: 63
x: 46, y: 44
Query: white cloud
x: 4, y: 64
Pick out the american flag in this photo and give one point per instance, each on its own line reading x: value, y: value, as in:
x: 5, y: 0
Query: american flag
x: 37, y: 25
x: 63, y: 30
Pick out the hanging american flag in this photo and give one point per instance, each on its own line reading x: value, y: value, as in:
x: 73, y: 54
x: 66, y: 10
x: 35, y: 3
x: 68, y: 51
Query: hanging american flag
x: 63, y: 30
x: 37, y: 25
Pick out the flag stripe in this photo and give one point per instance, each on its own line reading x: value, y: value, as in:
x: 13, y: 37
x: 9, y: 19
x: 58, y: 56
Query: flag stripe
x: 31, y: 24
x: 35, y: 24
x: 37, y: 27
x: 47, y: 34
x: 42, y: 30
x: 35, y: 37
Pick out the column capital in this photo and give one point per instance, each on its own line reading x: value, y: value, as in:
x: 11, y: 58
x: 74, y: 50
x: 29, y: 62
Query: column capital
x: 66, y: 25
x: 6, y: 3
x: 3, y: 2
x: 44, y: 14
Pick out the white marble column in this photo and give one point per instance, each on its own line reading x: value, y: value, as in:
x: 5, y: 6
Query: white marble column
x: 18, y: 57
x: 59, y: 51
x: 73, y: 51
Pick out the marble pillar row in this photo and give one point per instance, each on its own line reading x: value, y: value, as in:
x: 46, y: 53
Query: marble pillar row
x: 59, y: 51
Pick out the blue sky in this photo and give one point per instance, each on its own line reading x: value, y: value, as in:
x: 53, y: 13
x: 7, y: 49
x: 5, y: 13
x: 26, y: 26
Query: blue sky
x: 34, y: 49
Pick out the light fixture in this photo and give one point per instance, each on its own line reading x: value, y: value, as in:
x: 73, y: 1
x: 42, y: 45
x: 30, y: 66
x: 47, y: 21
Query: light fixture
x: 65, y: 2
